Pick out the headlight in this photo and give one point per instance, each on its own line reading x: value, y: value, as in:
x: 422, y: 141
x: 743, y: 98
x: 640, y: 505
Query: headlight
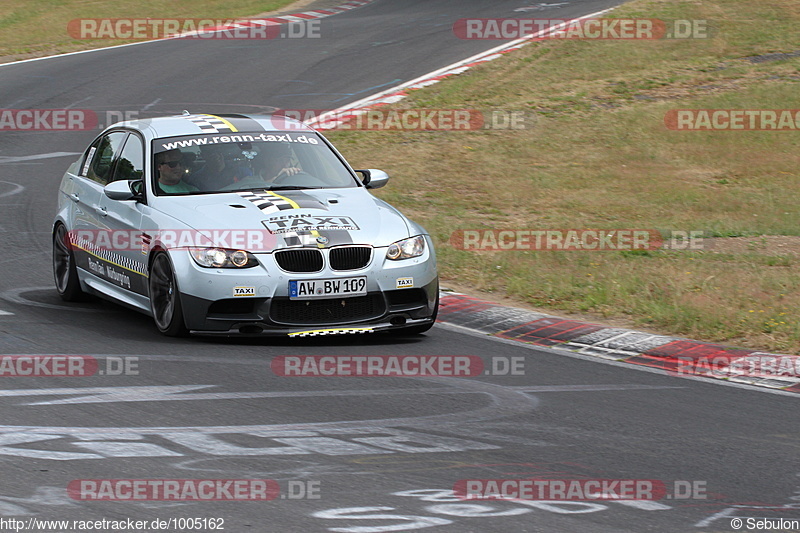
x: 222, y: 258
x: 406, y: 249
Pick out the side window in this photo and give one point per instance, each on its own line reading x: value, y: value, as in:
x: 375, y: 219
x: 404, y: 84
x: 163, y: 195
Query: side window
x: 130, y: 165
x: 106, y: 149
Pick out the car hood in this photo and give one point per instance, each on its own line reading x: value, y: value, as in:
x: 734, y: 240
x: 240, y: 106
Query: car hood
x: 316, y: 217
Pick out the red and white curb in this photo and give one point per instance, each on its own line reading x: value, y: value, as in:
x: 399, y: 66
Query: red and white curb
x: 344, y: 115
x: 676, y: 355
x: 305, y: 16
x: 295, y: 17
x: 319, y: 13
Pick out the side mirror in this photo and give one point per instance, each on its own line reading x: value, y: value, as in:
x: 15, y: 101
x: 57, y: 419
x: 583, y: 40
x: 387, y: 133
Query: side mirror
x: 374, y: 178
x: 124, y: 190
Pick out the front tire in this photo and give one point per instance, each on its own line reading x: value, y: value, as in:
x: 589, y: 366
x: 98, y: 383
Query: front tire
x: 165, y: 299
x: 65, y: 273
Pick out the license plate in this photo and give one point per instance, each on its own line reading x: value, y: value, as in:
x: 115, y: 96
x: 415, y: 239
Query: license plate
x: 327, y: 288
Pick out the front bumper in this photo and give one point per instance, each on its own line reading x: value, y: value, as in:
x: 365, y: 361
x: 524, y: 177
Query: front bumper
x: 212, y: 304
x: 376, y: 312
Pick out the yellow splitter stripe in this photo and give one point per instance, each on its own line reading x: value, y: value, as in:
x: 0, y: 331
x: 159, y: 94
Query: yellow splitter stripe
x: 331, y: 331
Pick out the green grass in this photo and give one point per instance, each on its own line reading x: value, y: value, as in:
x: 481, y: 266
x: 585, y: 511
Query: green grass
x: 599, y: 156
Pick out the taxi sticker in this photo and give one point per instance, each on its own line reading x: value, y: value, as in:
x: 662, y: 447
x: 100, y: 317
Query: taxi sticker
x: 405, y: 283
x: 244, y: 291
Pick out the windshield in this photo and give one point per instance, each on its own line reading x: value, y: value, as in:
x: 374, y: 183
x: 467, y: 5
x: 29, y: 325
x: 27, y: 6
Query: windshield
x: 245, y: 161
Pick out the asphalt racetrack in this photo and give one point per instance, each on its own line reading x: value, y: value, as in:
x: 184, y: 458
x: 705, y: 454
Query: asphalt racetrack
x: 349, y: 454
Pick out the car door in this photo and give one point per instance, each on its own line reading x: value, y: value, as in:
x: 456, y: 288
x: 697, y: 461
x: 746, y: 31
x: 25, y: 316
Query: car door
x: 86, y: 192
x: 126, y: 266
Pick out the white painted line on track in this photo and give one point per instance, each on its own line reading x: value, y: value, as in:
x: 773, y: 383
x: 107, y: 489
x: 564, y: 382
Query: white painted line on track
x: 7, y: 159
x: 16, y: 190
x: 77, y: 53
x: 167, y: 393
x: 151, y: 104
x: 722, y: 514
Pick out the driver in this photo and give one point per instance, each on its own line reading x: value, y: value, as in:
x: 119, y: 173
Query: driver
x: 171, y: 170
x: 273, y: 162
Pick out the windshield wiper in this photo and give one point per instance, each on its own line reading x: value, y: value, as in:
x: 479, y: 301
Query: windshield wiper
x: 291, y: 188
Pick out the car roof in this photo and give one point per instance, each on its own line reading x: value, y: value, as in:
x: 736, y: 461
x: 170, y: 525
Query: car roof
x: 206, y: 123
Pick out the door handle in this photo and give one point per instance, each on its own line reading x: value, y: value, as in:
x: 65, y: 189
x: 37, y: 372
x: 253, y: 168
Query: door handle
x: 74, y: 197
x: 103, y: 211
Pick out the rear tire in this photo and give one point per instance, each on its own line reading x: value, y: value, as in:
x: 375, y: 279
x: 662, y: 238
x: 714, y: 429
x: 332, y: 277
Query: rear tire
x: 65, y: 273
x: 165, y: 299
